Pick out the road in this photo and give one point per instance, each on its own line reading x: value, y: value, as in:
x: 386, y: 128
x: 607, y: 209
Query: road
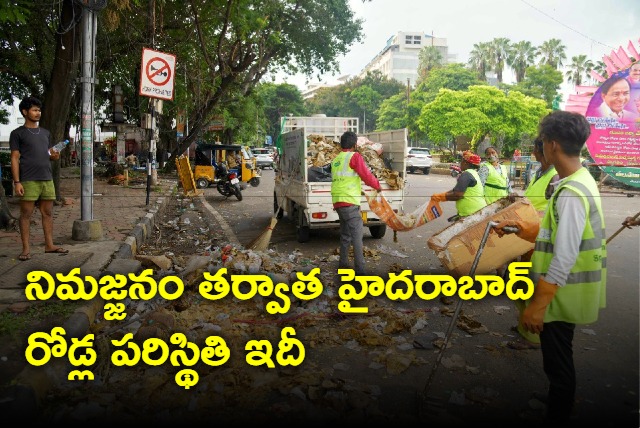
x: 498, y: 378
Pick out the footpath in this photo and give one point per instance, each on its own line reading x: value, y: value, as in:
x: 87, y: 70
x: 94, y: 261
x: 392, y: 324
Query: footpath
x: 126, y: 221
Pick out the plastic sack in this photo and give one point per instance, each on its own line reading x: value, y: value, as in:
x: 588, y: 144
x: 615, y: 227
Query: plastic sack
x: 428, y: 211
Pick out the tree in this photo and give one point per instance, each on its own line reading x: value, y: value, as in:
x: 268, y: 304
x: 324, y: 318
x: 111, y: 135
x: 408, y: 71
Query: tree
x: 480, y: 59
x: 482, y: 111
x: 451, y: 76
x: 580, y: 67
x: 552, y: 52
x: 540, y: 82
x: 522, y: 55
x: 368, y: 100
x: 429, y: 57
x: 500, y: 49
x: 279, y: 100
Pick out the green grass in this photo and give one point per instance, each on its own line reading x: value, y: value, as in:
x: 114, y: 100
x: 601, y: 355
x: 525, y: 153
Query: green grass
x: 15, y: 325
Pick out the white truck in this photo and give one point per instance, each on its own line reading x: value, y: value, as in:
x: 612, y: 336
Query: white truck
x: 308, y: 203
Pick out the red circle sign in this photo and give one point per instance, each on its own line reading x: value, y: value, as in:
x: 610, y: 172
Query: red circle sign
x: 158, y: 71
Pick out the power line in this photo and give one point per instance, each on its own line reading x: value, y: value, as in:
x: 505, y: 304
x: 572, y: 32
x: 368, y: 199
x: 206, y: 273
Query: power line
x: 565, y: 25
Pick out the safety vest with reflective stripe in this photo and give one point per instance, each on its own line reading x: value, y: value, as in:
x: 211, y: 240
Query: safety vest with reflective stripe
x: 473, y: 198
x: 345, y: 182
x: 495, y: 187
x: 580, y: 299
x: 536, y: 190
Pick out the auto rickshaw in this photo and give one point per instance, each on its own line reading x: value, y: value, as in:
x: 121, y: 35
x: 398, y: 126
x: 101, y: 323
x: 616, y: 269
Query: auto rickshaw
x: 210, y: 155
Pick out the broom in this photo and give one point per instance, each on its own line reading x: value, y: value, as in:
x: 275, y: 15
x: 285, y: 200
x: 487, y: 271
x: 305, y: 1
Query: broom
x: 621, y: 229
x: 261, y: 243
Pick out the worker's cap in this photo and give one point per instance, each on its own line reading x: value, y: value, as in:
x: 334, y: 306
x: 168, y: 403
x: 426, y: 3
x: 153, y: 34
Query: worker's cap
x: 471, y: 157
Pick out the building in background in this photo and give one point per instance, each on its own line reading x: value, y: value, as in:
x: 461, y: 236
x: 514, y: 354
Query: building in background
x: 399, y: 58
x: 313, y: 88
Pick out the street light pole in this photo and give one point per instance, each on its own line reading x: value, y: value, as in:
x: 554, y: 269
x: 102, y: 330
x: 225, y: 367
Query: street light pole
x: 87, y: 228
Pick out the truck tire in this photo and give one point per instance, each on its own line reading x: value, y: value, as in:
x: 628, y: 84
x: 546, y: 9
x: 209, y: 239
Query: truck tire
x: 202, y: 183
x: 378, y: 231
x: 425, y: 171
x: 411, y: 170
x: 278, y: 212
x: 303, y: 233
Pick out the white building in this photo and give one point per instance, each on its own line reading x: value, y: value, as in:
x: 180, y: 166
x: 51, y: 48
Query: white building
x: 313, y: 88
x: 399, y: 58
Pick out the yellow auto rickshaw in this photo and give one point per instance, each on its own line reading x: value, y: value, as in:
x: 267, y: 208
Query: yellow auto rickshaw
x: 210, y: 155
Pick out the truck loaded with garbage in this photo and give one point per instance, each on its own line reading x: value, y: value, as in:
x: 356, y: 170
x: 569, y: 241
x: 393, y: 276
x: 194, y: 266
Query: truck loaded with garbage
x: 303, y: 175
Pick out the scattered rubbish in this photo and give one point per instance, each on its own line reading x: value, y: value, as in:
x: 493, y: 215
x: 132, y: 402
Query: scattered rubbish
x: 470, y: 325
x: 500, y: 310
x: 588, y: 331
x: 391, y: 252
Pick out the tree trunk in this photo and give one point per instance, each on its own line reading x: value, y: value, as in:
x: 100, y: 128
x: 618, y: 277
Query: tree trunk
x: 59, y: 90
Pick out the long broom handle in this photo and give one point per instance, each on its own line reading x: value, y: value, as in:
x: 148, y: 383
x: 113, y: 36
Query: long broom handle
x: 622, y: 228
x: 456, y: 313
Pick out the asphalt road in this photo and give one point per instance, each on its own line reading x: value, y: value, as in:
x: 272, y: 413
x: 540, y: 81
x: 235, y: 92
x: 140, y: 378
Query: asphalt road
x: 606, y: 353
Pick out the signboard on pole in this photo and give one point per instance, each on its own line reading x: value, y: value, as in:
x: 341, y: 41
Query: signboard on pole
x: 157, y: 74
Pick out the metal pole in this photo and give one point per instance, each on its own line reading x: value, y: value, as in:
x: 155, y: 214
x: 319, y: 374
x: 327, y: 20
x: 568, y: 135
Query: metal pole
x: 86, y: 169
x: 152, y: 101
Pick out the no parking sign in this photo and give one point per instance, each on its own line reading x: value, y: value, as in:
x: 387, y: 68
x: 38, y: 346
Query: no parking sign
x: 157, y: 74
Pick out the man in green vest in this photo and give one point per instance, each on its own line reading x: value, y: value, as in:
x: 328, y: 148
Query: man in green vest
x: 468, y: 192
x: 569, y: 259
x: 348, y: 170
x: 495, y: 178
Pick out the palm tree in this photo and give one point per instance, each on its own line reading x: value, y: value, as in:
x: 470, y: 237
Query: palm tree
x: 500, y: 50
x: 480, y: 59
x: 580, y: 66
x: 523, y: 55
x: 552, y: 53
x: 601, y: 68
x: 429, y: 58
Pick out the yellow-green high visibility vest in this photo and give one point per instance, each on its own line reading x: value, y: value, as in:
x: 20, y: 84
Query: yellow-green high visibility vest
x: 496, y: 185
x: 345, y: 182
x: 473, y: 198
x: 536, y: 189
x: 581, y: 298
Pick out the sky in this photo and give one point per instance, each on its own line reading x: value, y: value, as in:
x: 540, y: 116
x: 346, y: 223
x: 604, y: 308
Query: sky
x: 587, y: 27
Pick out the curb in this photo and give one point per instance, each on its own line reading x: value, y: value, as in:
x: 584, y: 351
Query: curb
x: 32, y: 384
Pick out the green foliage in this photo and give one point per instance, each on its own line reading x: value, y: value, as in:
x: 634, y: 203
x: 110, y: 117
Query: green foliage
x: 355, y: 98
x: 540, y: 82
x: 278, y: 100
x: 483, y: 111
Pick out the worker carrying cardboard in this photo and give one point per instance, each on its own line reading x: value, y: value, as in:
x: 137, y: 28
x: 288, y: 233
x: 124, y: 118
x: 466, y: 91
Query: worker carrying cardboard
x: 468, y: 192
x: 569, y: 259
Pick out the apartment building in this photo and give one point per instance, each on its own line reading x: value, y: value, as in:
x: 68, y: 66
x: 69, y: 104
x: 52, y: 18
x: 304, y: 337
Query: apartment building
x: 399, y: 58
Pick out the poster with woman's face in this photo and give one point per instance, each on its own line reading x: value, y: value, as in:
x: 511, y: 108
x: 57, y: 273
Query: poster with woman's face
x: 614, y: 115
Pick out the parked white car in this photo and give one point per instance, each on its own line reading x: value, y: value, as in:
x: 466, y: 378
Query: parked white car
x: 264, y: 157
x: 418, y: 158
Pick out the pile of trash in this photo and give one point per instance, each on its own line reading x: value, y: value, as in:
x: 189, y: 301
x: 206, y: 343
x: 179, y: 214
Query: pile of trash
x: 322, y: 150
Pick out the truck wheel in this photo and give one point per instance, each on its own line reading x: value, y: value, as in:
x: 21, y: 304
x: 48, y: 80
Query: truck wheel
x: 278, y: 212
x: 425, y: 171
x: 202, y: 183
x: 411, y: 170
x: 303, y: 233
x: 378, y: 231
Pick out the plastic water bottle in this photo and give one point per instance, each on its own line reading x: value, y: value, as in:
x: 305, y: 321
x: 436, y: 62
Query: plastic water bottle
x: 60, y: 146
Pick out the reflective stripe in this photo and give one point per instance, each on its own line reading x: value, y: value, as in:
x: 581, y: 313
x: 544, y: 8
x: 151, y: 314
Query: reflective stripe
x: 493, y: 186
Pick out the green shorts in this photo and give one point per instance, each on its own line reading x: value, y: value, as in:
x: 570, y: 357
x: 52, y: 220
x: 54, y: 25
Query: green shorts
x: 43, y: 190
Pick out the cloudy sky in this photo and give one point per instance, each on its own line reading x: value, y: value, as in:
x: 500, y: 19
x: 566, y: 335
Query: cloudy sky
x: 590, y: 27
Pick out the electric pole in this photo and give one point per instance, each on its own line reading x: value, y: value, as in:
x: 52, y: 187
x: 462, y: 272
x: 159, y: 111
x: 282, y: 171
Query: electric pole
x: 88, y: 229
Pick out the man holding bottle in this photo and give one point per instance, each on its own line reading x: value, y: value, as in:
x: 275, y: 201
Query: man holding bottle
x: 31, y: 153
